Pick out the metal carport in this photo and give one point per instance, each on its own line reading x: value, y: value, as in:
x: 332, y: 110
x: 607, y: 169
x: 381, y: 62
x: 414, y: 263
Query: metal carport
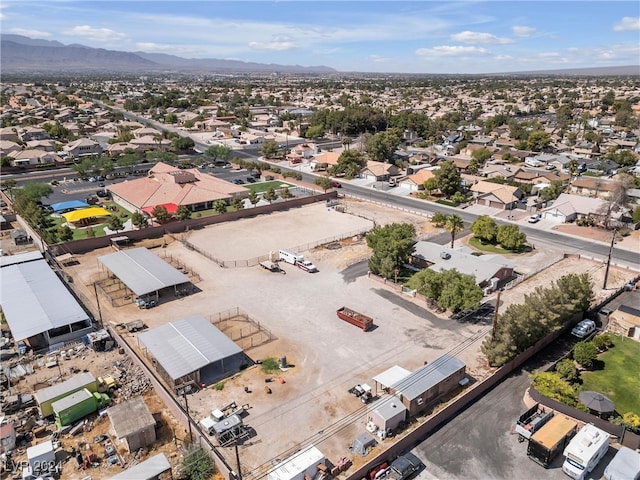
x: 142, y: 271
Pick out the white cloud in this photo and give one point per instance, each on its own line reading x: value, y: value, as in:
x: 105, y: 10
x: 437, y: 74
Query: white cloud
x: 378, y: 58
x: 523, y: 31
x: 105, y: 35
x: 627, y: 24
x: 479, y: 38
x: 450, y: 51
x: 30, y: 33
x: 277, y: 44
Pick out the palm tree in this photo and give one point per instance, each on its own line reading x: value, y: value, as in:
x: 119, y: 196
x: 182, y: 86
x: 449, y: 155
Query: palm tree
x: 346, y: 141
x: 454, y: 225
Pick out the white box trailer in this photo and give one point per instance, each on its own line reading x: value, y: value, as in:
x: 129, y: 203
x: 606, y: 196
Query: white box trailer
x: 585, y: 451
x: 624, y: 466
x: 297, y: 466
x: 290, y: 257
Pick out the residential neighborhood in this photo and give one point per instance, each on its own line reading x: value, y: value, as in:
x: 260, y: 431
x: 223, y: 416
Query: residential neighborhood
x: 473, y: 222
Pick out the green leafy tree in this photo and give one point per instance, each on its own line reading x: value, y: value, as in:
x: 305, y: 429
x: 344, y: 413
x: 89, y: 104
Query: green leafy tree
x: 253, y: 198
x: 538, y: 140
x: 285, y: 193
x: 430, y: 185
x: 237, y: 203
x: 636, y: 215
x: 439, y: 219
x: 129, y: 161
x: 510, y: 237
x: 269, y: 149
x: 270, y: 195
x: 316, y: 131
x: 169, y: 158
x: 553, y: 191
x: 84, y: 167
x: 220, y: 206
x: 171, y: 118
x: 392, y: 245
x: 160, y: 213
x: 65, y: 233
x: 478, y: 157
x: 350, y: 163
x: 139, y: 220
x: 585, y: 353
x: 183, y: 213
x: 567, y: 370
x: 448, y: 178
x: 485, y: 229
x: 197, y: 464
x: 382, y: 146
x: 36, y: 191
x: 324, y: 183
x: 427, y: 282
x: 454, y: 225
x: 458, y: 198
x: 216, y: 152
x: 115, y: 223
x: 460, y: 291
x: 183, y: 143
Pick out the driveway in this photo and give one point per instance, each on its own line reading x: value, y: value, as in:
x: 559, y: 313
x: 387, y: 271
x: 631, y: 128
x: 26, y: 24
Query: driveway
x: 479, y: 443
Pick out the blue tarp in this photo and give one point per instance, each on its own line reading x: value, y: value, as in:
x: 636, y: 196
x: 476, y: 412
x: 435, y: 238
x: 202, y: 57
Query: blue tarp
x: 67, y: 206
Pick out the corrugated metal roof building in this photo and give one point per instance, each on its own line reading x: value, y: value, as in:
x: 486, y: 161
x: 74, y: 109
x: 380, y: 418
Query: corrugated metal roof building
x: 150, y: 469
x: 142, y: 271
x: 429, y: 383
x: 191, y: 350
x: 38, y: 306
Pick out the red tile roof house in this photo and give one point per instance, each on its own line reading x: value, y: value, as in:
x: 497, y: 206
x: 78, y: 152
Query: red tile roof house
x: 166, y: 184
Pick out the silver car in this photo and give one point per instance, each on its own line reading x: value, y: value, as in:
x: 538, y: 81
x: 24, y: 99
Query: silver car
x: 584, y: 328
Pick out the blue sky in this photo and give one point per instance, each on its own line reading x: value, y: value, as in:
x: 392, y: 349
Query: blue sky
x: 363, y: 36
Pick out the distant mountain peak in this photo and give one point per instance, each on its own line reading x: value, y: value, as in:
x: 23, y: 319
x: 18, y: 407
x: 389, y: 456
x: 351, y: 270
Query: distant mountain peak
x: 24, y: 54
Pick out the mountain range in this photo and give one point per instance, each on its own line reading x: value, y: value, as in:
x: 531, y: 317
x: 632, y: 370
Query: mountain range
x: 26, y: 55
x: 22, y: 54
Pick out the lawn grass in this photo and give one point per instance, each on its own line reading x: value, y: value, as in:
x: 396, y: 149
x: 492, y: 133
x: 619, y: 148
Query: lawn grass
x: 264, y: 186
x: 490, y: 248
x: 619, y: 380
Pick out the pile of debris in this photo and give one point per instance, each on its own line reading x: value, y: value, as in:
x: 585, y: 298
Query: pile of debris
x: 132, y: 379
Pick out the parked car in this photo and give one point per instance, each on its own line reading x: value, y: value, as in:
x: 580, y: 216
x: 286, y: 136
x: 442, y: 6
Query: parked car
x: 336, y: 184
x: 584, y: 328
x: 251, y: 180
x: 535, y: 218
x: 550, y: 167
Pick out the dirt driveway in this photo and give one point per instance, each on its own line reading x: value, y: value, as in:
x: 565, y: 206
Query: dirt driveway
x: 329, y: 356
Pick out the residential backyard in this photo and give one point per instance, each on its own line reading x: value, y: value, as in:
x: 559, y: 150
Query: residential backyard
x: 619, y: 379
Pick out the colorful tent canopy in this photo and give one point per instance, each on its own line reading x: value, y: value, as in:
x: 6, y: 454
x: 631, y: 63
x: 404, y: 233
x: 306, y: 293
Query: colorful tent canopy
x: 69, y: 205
x: 77, y: 215
x: 171, y: 208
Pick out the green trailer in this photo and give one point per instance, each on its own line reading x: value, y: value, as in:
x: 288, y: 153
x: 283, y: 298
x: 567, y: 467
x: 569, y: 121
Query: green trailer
x: 77, y: 406
x: 47, y: 396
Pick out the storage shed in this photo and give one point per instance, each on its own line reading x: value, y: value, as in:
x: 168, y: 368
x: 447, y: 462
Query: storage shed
x: 387, y: 413
x: 429, y: 383
x: 7, y: 437
x: 133, y: 424
x: 299, y: 465
x: 151, y: 469
x: 191, y: 350
x: 41, y: 457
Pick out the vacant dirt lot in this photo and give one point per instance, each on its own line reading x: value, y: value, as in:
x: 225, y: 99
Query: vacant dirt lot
x: 328, y: 356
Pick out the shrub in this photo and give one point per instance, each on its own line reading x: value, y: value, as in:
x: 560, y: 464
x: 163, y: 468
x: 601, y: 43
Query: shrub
x: 197, y: 464
x: 219, y: 386
x: 551, y: 385
x: 602, y: 342
x: 585, y: 353
x: 567, y: 370
x: 270, y: 365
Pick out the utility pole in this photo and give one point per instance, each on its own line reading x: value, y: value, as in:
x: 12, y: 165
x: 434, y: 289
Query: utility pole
x: 606, y: 272
x: 95, y: 290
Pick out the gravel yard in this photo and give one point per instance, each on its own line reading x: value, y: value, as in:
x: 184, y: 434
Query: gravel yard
x: 328, y: 355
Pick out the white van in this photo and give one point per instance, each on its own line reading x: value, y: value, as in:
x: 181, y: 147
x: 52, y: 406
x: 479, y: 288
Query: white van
x: 584, y: 451
x: 290, y: 257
